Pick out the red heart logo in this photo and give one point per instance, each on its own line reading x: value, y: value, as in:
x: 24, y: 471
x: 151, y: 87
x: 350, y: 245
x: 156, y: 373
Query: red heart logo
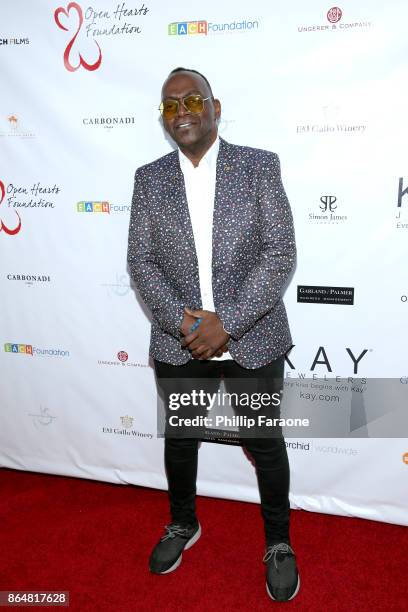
x: 65, y: 12
x: 67, y: 63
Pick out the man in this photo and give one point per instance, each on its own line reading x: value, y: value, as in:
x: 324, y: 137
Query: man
x: 211, y: 246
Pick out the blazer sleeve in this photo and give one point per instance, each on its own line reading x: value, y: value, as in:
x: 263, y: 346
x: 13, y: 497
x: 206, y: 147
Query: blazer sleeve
x: 264, y: 284
x: 155, y: 290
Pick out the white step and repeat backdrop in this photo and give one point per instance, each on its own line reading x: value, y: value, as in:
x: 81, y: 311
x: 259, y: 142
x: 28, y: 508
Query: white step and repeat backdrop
x: 326, y: 88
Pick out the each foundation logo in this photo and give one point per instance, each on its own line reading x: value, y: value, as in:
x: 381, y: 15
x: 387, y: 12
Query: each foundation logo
x: 334, y: 14
x: 102, y: 206
x: 123, y: 356
x: 405, y: 458
x: 12, y: 226
x: 326, y: 212
x: 28, y: 349
x: 203, y: 27
x: 185, y: 28
x: 18, y: 349
x: 93, y: 207
x: 127, y: 421
x: 84, y: 26
x: 402, y: 204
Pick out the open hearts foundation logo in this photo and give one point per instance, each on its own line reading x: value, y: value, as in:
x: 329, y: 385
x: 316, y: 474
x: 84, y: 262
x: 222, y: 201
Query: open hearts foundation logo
x: 69, y: 13
x: 3, y: 227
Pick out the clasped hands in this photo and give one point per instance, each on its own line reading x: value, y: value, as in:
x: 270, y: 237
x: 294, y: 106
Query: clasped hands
x: 209, y: 339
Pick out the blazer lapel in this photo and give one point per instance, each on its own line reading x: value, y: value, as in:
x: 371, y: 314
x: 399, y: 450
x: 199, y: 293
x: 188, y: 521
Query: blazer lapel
x: 223, y: 195
x: 177, y: 199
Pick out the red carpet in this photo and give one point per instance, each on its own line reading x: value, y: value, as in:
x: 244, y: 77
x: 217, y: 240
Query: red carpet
x: 93, y: 539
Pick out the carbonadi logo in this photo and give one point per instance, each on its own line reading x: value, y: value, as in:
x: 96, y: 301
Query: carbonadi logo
x: 101, y: 207
x: 28, y: 349
x: 186, y: 28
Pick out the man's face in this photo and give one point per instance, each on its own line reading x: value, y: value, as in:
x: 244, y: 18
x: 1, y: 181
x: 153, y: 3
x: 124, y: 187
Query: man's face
x: 187, y: 129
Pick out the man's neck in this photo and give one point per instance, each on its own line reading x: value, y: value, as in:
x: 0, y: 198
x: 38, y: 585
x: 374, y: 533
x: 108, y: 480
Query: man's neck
x: 196, y: 153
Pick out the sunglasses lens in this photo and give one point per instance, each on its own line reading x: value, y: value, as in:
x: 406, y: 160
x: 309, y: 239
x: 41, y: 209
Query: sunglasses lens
x: 194, y: 104
x: 169, y: 108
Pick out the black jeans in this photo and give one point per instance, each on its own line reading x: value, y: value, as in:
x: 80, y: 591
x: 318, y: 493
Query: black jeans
x: 269, y: 453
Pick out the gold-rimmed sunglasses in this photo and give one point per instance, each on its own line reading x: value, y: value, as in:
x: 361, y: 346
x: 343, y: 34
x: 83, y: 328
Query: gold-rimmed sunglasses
x: 194, y: 103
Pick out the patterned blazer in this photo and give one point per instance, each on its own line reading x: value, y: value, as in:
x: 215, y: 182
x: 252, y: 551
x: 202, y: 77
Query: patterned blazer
x: 253, y: 253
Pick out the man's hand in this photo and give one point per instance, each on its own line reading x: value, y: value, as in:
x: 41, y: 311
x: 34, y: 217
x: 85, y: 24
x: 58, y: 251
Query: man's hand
x: 187, y: 322
x: 221, y: 351
x: 208, y: 339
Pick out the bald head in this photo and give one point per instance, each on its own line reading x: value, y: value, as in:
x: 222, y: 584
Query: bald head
x: 205, y: 85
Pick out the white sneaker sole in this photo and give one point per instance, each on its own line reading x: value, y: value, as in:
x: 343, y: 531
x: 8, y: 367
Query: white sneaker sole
x: 280, y: 601
x: 189, y: 544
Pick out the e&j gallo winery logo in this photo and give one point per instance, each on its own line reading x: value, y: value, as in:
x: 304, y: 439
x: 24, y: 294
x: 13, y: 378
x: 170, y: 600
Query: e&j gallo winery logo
x: 95, y: 23
x: 334, y: 22
x: 330, y: 119
x: 126, y: 429
x: 203, y: 27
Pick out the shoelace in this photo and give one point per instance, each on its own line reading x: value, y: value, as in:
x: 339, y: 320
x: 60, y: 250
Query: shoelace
x: 272, y: 551
x: 173, y: 531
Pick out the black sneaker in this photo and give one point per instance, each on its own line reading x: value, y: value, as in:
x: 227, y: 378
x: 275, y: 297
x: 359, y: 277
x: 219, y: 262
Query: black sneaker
x: 282, y: 577
x: 167, y: 554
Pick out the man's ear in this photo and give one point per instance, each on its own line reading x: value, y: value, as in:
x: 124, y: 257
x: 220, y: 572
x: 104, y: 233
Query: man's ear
x: 217, y: 108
